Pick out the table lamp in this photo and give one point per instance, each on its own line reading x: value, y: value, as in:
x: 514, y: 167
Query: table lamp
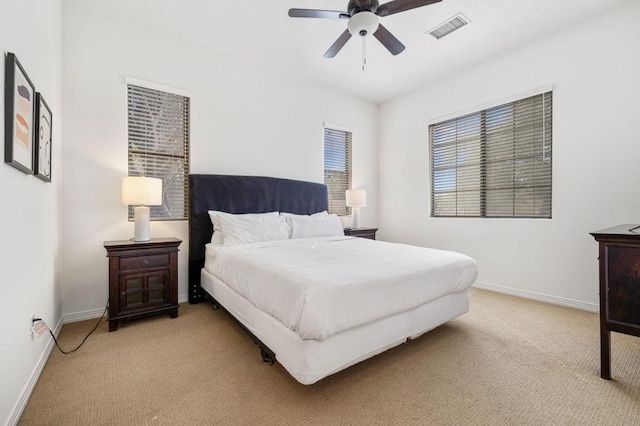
x: 356, y: 198
x: 141, y: 191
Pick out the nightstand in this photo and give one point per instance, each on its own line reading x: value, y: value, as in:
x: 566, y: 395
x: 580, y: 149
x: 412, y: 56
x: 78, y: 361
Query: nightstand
x: 369, y: 233
x: 143, y: 279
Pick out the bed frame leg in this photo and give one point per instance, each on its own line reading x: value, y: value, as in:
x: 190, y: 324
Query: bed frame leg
x: 267, y: 358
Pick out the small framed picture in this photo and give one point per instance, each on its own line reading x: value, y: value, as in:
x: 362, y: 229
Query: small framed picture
x: 42, y: 156
x: 19, y: 116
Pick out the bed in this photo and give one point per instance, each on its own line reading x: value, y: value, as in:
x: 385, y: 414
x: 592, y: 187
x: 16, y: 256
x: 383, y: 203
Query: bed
x: 326, y: 333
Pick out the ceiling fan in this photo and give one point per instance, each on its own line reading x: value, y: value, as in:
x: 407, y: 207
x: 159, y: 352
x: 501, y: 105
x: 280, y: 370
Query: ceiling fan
x: 364, y: 19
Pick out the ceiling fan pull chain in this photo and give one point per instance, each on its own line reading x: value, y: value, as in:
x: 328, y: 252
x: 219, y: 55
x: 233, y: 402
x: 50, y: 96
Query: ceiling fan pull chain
x: 364, y: 52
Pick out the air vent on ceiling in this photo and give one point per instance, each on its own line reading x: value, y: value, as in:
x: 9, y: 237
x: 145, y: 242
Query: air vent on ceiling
x: 452, y: 24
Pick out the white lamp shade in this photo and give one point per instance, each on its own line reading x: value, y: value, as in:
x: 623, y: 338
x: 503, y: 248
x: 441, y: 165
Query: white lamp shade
x: 141, y: 190
x: 356, y: 198
x: 363, y: 23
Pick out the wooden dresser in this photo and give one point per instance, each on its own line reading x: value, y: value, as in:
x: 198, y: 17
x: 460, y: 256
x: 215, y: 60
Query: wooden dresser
x: 143, y: 279
x: 619, y: 287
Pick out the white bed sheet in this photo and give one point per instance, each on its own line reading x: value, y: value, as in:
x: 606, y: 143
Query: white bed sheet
x: 311, y: 360
x: 318, y: 287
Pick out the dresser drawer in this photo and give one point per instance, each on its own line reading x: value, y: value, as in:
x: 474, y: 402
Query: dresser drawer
x: 139, y: 262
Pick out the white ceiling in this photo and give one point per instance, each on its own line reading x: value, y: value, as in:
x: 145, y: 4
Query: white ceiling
x: 259, y: 32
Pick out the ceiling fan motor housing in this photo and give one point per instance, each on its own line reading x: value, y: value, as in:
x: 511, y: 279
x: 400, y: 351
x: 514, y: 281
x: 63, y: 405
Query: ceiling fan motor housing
x: 356, y: 6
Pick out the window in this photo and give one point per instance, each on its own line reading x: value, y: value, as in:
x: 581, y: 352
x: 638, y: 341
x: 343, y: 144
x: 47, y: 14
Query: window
x: 495, y: 162
x: 159, y: 146
x: 337, y: 168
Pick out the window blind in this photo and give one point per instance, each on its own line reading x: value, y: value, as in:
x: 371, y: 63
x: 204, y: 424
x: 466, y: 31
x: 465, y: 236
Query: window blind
x: 159, y: 146
x: 495, y: 162
x: 337, y: 168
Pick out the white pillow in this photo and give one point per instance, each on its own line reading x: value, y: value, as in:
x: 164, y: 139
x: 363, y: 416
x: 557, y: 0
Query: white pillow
x: 315, y: 226
x: 322, y: 213
x: 217, y: 237
x: 285, y: 215
x: 251, y: 227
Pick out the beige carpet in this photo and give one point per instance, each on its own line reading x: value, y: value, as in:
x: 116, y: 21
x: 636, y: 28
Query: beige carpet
x: 509, y: 361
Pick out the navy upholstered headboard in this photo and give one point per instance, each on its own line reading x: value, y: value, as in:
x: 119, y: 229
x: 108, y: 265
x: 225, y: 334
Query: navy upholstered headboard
x: 241, y: 194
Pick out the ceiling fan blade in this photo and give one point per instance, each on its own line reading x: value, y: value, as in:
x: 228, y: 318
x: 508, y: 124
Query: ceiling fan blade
x: 396, y: 6
x: 315, y: 13
x: 388, y: 40
x: 338, y: 44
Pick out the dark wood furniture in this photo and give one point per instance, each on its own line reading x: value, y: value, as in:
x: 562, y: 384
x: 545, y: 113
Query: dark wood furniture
x: 369, y: 233
x: 143, y: 279
x: 619, y: 287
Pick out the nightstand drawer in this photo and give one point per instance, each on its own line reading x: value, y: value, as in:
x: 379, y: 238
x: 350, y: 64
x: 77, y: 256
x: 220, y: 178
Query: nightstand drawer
x: 139, y: 262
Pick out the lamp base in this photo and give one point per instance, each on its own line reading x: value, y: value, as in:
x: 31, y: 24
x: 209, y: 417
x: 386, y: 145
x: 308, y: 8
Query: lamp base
x: 355, y: 213
x: 142, y: 215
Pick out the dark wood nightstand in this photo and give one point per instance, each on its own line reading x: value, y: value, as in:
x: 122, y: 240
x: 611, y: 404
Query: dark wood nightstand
x: 143, y: 279
x: 369, y: 233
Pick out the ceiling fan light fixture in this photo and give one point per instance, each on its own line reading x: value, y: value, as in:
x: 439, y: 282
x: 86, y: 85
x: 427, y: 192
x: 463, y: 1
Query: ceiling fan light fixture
x: 363, y: 24
x: 364, y: 19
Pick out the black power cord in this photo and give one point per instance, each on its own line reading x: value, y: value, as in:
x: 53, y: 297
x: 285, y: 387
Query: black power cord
x: 83, y: 340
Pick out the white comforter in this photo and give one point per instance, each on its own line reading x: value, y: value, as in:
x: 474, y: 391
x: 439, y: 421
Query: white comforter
x: 321, y: 286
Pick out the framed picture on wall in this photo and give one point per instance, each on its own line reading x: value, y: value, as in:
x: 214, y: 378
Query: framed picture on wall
x: 42, y: 156
x: 19, y: 116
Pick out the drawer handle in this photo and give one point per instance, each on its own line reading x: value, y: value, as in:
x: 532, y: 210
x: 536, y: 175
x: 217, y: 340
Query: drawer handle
x: 145, y: 262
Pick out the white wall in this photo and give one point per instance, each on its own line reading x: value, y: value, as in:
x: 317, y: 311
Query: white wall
x: 244, y: 121
x: 30, y: 260
x: 593, y: 67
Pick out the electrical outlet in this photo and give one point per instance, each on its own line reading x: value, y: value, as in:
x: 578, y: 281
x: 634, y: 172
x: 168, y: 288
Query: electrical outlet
x: 31, y: 318
x: 39, y: 328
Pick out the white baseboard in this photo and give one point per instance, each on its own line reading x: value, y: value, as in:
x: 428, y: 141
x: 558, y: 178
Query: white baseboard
x: 584, y: 306
x: 97, y: 313
x: 35, y: 375
x: 82, y: 316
